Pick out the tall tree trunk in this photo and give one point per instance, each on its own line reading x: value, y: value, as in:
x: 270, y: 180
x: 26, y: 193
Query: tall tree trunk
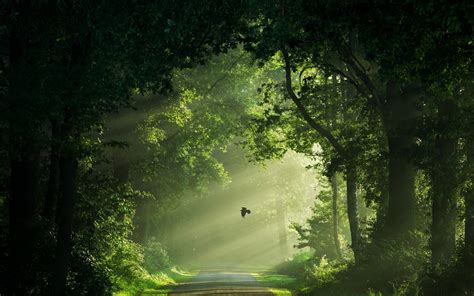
x: 51, y: 197
x: 68, y: 167
x: 121, y: 170
x: 401, y: 183
x: 363, y: 212
x: 401, y: 203
x: 67, y: 189
x: 335, y: 214
x: 24, y: 192
x: 24, y: 155
x: 352, y: 211
x: 444, y: 186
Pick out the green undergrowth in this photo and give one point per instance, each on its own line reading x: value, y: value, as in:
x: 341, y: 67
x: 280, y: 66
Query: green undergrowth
x: 159, y: 283
x: 342, y: 278
x: 388, y: 271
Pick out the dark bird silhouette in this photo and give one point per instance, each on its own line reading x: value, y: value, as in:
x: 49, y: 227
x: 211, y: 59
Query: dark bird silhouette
x: 244, y: 211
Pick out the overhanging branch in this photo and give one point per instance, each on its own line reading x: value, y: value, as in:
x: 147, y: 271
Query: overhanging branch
x: 307, y: 117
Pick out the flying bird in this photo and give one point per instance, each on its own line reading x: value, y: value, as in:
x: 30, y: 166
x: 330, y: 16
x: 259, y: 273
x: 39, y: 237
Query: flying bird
x: 244, y: 211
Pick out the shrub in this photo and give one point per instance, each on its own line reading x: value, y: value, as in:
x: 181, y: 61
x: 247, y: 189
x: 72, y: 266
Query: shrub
x: 156, y: 257
x: 297, y: 265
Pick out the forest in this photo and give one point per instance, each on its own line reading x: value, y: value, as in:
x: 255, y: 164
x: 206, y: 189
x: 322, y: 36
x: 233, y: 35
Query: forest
x: 236, y: 147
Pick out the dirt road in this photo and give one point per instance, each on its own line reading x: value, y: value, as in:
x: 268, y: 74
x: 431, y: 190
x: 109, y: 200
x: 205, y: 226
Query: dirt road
x: 222, y: 283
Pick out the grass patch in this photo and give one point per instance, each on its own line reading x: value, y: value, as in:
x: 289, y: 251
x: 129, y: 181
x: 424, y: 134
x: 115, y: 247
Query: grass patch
x: 278, y: 284
x: 280, y: 291
x: 160, y: 283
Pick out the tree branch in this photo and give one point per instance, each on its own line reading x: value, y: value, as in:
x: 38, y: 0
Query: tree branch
x: 352, y: 62
x: 307, y: 117
x: 349, y: 78
x: 302, y: 72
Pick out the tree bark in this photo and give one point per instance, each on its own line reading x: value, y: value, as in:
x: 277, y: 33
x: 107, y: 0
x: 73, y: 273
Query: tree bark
x: 335, y: 214
x: 67, y: 189
x: 401, y: 205
x: 401, y: 183
x: 352, y: 212
x: 444, y: 186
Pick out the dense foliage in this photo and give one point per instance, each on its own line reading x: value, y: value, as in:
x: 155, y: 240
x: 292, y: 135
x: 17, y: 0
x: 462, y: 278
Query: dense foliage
x: 113, y: 114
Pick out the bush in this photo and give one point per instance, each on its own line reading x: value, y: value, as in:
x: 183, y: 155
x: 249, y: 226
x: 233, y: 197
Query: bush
x: 100, y: 271
x: 156, y: 257
x: 389, y: 268
x: 395, y: 264
x: 87, y: 275
x: 103, y: 258
x: 326, y: 271
x: 455, y: 279
x: 296, y: 266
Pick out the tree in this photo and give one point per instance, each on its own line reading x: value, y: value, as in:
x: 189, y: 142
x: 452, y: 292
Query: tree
x: 280, y: 125
x: 81, y: 60
x: 391, y: 78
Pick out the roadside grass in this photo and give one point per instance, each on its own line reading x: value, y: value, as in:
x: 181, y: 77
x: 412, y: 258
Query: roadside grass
x: 160, y: 283
x: 278, y: 284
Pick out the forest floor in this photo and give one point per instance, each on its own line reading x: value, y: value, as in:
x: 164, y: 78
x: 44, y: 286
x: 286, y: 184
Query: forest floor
x: 223, y: 282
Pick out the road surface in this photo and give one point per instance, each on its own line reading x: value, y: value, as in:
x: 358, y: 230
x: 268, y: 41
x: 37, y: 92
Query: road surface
x: 222, y: 283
